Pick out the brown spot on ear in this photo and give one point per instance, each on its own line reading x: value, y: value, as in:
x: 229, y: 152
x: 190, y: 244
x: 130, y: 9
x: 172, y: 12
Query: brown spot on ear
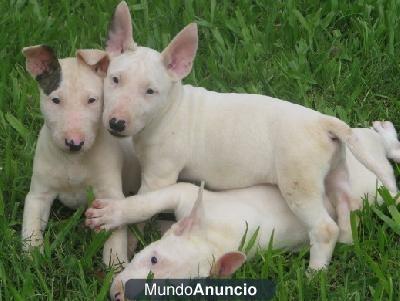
x: 49, y: 81
x: 50, y: 77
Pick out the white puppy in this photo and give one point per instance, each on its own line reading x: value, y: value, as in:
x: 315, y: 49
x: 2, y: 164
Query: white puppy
x: 74, y: 150
x: 228, y: 140
x: 382, y: 143
x: 191, y: 246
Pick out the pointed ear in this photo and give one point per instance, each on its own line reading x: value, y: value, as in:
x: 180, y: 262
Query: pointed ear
x: 43, y: 65
x: 120, y: 31
x: 194, y: 221
x: 97, y: 60
x: 227, y: 264
x: 179, y: 55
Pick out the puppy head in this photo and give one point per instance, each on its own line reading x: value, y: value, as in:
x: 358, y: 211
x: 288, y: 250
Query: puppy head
x: 183, y: 252
x: 176, y: 257
x: 140, y: 80
x: 71, y: 94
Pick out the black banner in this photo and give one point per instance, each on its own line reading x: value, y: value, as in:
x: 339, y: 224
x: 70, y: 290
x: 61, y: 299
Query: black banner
x: 199, y: 289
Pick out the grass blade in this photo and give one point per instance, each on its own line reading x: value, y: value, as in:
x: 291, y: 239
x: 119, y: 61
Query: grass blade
x: 73, y: 221
x: 252, y: 241
x: 243, y: 241
x: 95, y: 245
x: 391, y: 223
x: 18, y: 126
x: 105, y: 287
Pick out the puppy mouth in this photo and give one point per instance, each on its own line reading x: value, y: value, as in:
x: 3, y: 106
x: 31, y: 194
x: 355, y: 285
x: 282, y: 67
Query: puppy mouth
x: 116, y: 134
x: 73, y: 151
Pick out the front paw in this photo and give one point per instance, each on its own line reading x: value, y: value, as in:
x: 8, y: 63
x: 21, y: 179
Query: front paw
x: 104, y: 215
x: 32, y: 241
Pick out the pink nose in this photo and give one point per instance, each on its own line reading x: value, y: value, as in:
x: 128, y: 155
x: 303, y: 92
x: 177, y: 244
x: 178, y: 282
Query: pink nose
x: 75, y: 141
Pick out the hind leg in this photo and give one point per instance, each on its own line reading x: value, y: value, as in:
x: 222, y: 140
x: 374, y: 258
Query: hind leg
x: 387, y: 169
x: 343, y: 219
x: 304, y: 193
x: 323, y: 231
x: 343, y: 213
x: 338, y: 190
x: 388, y: 134
x: 301, y: 173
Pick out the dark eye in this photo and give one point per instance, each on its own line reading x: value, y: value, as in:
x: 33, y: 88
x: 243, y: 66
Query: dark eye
x: 91, y: 100
x: 115, y: 79
x: 149, y: 91
x: 56, y: 100
x: 153, y: 260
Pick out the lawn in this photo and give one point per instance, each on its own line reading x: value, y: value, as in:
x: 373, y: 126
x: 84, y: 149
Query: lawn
x: 339, y: 57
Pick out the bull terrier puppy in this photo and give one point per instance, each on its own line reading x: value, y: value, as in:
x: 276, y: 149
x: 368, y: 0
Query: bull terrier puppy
x: 74, y: 150
x: 382, y: 144
x: 205, y: 240
x: 189, y: 248
x: 229, y: 140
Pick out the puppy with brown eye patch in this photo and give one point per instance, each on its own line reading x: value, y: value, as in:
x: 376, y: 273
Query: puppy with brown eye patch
x: 74, y: 151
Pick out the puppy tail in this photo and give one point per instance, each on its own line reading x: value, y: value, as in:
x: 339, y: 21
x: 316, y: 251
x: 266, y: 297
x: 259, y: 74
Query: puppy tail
x: 339, y: 129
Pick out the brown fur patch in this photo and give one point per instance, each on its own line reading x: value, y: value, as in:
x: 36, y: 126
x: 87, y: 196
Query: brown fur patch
x: 50, y: 79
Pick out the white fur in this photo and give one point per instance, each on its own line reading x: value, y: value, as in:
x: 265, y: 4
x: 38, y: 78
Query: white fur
x: 58, y: 173
x: 229, y: 140
x: 221, y: 227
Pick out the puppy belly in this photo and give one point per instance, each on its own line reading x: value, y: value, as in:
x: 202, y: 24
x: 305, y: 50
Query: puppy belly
x: 224, y: 179
x: 73, y: 199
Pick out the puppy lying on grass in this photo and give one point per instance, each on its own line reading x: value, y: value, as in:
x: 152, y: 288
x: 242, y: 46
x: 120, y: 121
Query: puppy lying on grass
x: 74, y: 150
x: 214, y: 227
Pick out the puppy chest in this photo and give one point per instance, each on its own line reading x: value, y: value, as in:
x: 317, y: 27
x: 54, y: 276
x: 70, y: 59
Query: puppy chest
x: 70, y: 177
x: 77, y: 176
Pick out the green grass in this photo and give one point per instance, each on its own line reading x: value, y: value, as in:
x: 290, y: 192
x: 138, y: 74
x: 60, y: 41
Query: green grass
x: 339, y: 57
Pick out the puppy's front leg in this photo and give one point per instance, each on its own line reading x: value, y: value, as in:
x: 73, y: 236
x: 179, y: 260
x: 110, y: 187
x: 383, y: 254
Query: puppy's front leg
x: 36, y: 214
x: 115, y: 248
x: 110, y: 214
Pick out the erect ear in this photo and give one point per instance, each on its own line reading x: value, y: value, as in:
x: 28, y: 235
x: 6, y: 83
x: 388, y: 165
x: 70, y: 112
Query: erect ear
x: 179, y: 55
x: 43, y: 65
x: 194, y: 221
x: 96, y: 59
x: 227, y: 264
x: 120, y: 31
